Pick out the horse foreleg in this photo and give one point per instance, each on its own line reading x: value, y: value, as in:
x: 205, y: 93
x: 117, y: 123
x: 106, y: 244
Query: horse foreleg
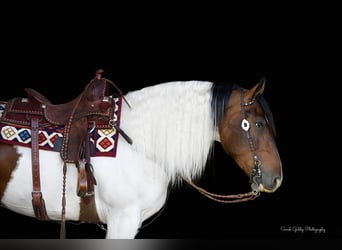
x: 123, y: 224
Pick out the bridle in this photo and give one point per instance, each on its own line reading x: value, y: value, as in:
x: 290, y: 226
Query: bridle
x: 256, y: 171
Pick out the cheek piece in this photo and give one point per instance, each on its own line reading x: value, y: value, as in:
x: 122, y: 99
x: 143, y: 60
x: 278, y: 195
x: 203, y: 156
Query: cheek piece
x: 245, y: 125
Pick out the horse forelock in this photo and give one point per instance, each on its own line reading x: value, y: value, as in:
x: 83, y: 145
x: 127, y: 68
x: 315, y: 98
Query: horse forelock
x: 172, y: 124
x: 220, y: 97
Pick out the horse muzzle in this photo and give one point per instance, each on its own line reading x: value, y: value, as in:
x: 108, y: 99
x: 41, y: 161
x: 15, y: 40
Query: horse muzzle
x: 268, y: 187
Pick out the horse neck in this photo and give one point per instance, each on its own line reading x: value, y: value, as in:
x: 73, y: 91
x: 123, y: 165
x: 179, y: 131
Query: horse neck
x: 171, y: 124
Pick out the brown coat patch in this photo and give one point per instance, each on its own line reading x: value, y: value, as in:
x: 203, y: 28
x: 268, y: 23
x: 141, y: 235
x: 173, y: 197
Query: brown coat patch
x: 8, y: 162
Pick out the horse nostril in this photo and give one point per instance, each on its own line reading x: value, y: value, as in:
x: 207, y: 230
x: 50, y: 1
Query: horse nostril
x: 277, y: 181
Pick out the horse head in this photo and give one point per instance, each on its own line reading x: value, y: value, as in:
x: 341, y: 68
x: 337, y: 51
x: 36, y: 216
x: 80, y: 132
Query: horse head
x: 247, y: 133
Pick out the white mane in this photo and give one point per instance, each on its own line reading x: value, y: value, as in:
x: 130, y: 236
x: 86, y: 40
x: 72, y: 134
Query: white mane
x: 172, y: 124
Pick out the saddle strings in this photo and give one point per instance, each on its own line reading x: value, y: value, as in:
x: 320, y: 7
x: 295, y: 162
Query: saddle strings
x: 119, y: 90
x: 64, y: 156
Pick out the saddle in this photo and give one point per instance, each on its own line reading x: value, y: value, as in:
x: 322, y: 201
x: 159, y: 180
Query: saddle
x: 93, y: 108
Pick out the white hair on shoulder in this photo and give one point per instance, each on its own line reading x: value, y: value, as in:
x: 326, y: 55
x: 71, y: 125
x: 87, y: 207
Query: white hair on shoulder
x: 172, y: 124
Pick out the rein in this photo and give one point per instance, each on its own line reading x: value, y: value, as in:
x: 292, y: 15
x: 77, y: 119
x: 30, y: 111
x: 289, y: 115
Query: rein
x: 256, y: 172
x: 230, y: 198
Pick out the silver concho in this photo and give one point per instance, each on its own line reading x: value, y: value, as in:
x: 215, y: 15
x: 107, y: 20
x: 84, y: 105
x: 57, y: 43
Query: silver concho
x: 245, y: 125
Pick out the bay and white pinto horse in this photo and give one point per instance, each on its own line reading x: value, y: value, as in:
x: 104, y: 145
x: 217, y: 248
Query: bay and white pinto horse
x: 173, y: 126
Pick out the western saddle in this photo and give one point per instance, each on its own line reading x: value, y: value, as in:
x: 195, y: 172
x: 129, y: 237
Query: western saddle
x: 93, y: 108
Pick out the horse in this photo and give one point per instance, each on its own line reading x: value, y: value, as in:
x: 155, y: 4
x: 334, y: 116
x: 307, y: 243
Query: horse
x: 164, y: 136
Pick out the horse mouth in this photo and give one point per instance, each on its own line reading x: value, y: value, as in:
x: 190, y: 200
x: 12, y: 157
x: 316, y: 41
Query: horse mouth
x: 270, y: 190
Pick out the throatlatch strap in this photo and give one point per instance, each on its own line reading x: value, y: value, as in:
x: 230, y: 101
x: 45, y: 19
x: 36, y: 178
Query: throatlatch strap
x: 37, y: 197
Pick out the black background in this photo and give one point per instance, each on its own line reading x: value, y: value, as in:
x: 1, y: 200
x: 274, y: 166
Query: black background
x: 58, y: 57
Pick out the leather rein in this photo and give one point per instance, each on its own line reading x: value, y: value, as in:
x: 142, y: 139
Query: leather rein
x: 256, y: 172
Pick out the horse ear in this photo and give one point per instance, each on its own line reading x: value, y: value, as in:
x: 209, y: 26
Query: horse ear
x: 258, y: 89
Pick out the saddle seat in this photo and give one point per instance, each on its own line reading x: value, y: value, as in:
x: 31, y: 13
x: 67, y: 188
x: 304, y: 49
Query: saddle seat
x: 92, y: 102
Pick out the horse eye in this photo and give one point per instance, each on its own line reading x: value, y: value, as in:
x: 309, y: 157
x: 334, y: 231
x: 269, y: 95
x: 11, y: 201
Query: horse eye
x: 259, y: 124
